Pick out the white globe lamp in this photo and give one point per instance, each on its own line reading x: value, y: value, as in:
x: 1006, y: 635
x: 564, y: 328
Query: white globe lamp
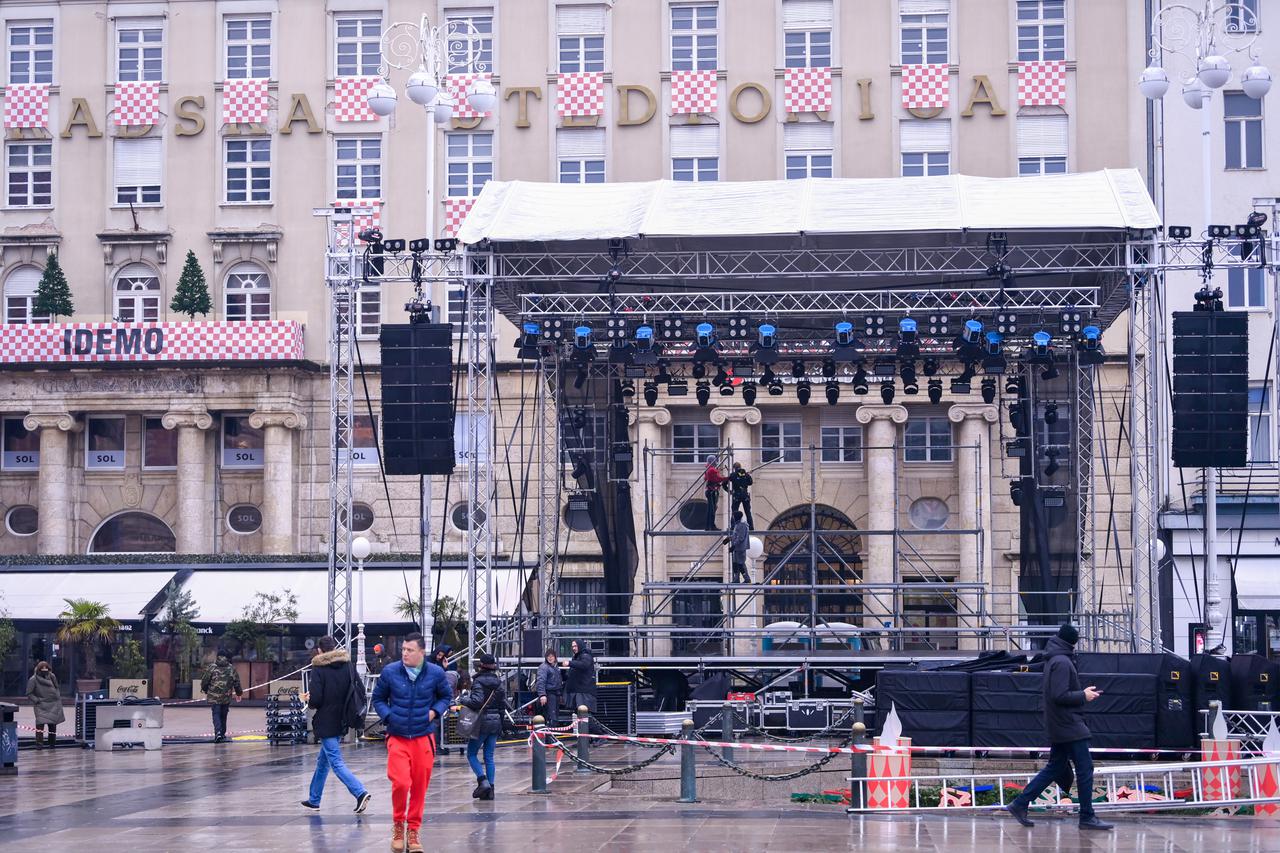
x: 1214, y: 71
x: 755, y: 548
x: 360, y: 548
x: 1153, y: 83
x: 483, y: 97
x: 421, y: 88
x: 1193, y: 95
x: 382, y: 98
x: 442, y: 109
x: 1256, y: 81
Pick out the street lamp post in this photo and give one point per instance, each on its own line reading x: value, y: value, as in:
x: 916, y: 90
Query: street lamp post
x: 434, y: 51
x: 1202, y: 40
x: 360, y: 549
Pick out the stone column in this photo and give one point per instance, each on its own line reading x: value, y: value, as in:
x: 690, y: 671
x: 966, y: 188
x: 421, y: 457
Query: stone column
x: 735, y: 424
x: 54, y: 488
x: 974, y: 488
x: 278, y: 477
x: 880, y: 455
x: 194, y: 510
x: 649, y: 488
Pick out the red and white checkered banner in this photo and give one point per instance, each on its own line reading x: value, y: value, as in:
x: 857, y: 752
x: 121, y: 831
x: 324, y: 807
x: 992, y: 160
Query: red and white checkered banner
x: 457, y: 86
x: 580, y: 94
x: 350, y: 99
x: 926, y: 86
x: 26, y: 105
x: 245, y: 101
x: 360, y: 221
x: 137, y: 103
x: 807, y: 90
x: 1042, y: 84
x: 455, y: 213
x: 257, y: 340
x: 694, y: 93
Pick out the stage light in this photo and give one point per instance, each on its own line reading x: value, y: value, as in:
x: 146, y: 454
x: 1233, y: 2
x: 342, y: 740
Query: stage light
x: 369, y: 235
x: 930, y: 366
x: 860, y: 386
x: 582, y: 337
x: 829, y: 368
x: 1042, y: 344
x: 749, y: 393
x: 1051, y: 413
x: 1017, y: 417
x: 447, y: 244
x: 1013, y: 385
x: 699, y: 370
x: 833, y: 393
x: 803, y: 390
x: 644, y: 337
x: 726, y: 389
x: 910, y: 385
x: 988, y: 390
x: 844, y: 334
x: 420, y: 245
x: 1007, y: 323
x: 939, y: 325
x: 907, y: 330
x: 678, y: 388
x: 706, y: 335
x: 393, y: 246
x: 1015, y: 492
x: 875, y: 326
x: 651, y: 393
x: 935, y: 391
x: 672, y: 329
x: 972, y: 334
x: 797, y: 369
x: 767, y: 376
x: 532, y: 334
x: 1090, y: 345
x: 1179, y: 232
x: 1219, y: 232
x: 775, y: 387
x: 664, y: 373
x: 1053, y: 467
x: 1051, y: 371
x: 614, y: 275
x: 994, y: 345
x: 721, y: 377
x: 581, y: 378
x: 1069, y: 321
x: 628, y: 389
x: 961, y: 384
x: 1251, y: 232
x: 703, y: 392
x: 886, y: 391
x: 767, y: 336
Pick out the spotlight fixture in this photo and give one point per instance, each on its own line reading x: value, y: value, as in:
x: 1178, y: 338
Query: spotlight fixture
x: 1050, y: 372
x: 767, y: 376
x: 1069, y: 321
x: 420, y: 245
x: 988, y: 390
x: 1053, y: 467
x: 1013, y: 385
x: 1220, y: 232
x: 703, y: 392
x: 829, y: 368
x: 847, y: 343
x: 706, y: 335
x: 803, y: 390
x: 393, y: 246
x: 833, y: 393
x: 994, y: 344
x: 699, y: 369
x: 643, y: 348
x: 930, y: 366
x: 860, y: 386
x: 1251, y: 234
x: 1051, y: 413
x: 935, y: 391
x: 1006, y: 323
x: 1179, y: 232
x: 875, y: 326
x: 678, y: 388
x: 797, y: 369
x: 721, y: 377
x: 886, y: 391
x: 628, y: 389
x: 1017, y: 417
x: 844, y: 334
x: 939, y: 325
x: 910, y: 385
x: 651, y: 393
x: 971, y: 335
x: 447, y: 244
x: 672, y: 328
x: 582, y: 338
x: 1041, y: 345
x: 663, y: 376
x: 749, y: 393
x: 726, y: 390
x: 775, y: 387
x: 531, y: 335
x: 767, y: 336
x: 369, y: 235
x: 1089, y: 345
x: 908, y: 340
x: 1015, y: 492
x: 961, y: 384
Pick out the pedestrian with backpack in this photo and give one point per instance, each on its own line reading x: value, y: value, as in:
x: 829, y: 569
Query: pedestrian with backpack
x: 488, y: 699
x: 337, y: 695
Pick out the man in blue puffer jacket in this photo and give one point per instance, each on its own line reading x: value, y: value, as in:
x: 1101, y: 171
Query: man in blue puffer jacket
x: 411, y: 696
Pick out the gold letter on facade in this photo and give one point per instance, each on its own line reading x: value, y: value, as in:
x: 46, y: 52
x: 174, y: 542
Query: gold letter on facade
x: 467, y: 123
x: 196, y: 119
x: 300, y: 110
x: 864, y: 99
x: 982, y: 94
x: 625, y: 118
x: 766, y: 103
x: 83, y: 116
x: 522, y: 94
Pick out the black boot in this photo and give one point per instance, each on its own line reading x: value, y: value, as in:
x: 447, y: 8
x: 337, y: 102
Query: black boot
x: 486, y: 790
x: 1094, y: 823
x: 39, y: 739
x: 480, y: 783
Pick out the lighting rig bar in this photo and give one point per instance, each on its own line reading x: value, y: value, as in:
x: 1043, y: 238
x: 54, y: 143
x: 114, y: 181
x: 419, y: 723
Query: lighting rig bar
x: 1223, y: 253
x: 395, y: 267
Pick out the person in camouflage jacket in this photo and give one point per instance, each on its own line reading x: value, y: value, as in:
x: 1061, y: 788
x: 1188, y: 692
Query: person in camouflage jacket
x: 220, y: 684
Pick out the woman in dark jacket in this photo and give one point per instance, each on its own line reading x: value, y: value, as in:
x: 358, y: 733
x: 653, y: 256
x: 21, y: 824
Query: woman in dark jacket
x: 488, y: 697
x: 46, y: 701
x: 331, y: 676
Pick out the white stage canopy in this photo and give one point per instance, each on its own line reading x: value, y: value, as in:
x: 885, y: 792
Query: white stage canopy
x: 521, y: 211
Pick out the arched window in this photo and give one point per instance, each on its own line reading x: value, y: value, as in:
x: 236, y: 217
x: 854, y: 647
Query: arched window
x: 248, y: 293
x: 830, y: 555
x: 20, y: 296
x: 133, y: 532
x: 137, y: 295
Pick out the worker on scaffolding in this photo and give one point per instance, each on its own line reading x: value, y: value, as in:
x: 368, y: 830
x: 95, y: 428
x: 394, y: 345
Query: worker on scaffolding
x: 739, y: 540
x: 739, y: 495
x: 713, y: 483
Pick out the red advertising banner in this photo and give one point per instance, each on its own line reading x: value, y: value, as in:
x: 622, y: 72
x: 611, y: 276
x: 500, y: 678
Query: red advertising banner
x: 255, y: 340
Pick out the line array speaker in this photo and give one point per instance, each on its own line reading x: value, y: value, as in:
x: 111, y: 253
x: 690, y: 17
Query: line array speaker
x: 1210, y: 389
x: 417, y: 398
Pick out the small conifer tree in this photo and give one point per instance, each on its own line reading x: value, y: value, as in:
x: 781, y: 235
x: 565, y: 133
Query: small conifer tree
x: 192, y: 296
x: 53, y: 295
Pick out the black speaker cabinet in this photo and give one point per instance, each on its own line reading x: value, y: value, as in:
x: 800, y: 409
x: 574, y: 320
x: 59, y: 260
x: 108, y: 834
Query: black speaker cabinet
x: 417, y: 398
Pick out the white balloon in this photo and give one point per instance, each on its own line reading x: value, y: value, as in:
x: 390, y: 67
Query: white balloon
x: 755, y: 548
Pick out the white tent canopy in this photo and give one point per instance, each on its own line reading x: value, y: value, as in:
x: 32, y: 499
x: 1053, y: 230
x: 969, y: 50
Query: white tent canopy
x: 516, y: 211
x: 42, y: 595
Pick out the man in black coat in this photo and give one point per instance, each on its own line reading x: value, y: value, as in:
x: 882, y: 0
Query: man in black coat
x: 331, y: 676
x: 580, y: 682
x: 1064, y: 703
x: 740, y: 493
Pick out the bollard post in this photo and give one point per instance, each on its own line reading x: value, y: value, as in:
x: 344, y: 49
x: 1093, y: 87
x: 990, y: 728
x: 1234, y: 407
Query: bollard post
x: 858, y: 760
x: 539, y: 758
x: 688, y: 765
x: 583, y: 731
x: 726, y: 731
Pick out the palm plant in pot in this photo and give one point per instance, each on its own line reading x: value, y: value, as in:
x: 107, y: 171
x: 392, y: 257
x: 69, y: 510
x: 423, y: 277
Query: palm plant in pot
x: 180, y: 611
x: 87, y: 624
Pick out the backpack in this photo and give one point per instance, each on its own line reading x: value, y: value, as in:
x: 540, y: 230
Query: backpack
x: 356, y: 704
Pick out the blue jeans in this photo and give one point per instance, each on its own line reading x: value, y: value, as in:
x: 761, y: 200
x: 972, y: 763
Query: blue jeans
x: 330, y: 757
x: 489, y: 742
x: 1076, y: 752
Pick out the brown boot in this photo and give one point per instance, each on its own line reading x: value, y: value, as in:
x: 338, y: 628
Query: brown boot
x: 415, y: 846
x: 397, y: 838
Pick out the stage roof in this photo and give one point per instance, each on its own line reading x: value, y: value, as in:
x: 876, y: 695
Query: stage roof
x: 521, y: 211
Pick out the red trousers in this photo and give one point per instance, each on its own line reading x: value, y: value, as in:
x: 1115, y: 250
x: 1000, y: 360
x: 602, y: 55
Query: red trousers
x: 409, y: 762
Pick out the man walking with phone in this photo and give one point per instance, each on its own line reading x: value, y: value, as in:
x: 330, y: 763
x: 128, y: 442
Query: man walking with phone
x: 411, y: 696
x: 1064, y: 703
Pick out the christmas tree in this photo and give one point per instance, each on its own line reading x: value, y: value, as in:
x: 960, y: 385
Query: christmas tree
x: 192, y: 297
x: 53, y: 295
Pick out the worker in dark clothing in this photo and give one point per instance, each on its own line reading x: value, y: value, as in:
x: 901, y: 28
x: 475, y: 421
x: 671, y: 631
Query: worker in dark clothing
x: 739, y: 540
x: 713, y: 483
x: 739, y: 497
x: 580, y: 682
x: 1064, y: 703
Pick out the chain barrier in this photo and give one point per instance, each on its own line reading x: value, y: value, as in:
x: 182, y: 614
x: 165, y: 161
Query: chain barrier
x: 766, y: 777
x: 596, y: 768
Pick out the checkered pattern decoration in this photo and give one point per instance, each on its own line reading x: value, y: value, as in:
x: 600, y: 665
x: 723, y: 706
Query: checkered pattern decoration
x: 350, y: 99
x: 244, y: 101
x: 580, y: 94
x: 26, y: 105
x: 28, y: 343
x: 455, y: 212
x: 457, y: 86
x: 926, y: 86
x: 1042, y: 84
x: 137, y: 103
x: 694, y: 93
x: 361, y: 221
x: 807, y: 90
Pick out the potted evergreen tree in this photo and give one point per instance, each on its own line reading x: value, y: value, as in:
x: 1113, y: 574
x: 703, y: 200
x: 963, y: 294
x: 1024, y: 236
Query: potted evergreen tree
x: 53, y: 294
x: 180, y: 610
x: 192, y: 295
x: 87, y: 624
